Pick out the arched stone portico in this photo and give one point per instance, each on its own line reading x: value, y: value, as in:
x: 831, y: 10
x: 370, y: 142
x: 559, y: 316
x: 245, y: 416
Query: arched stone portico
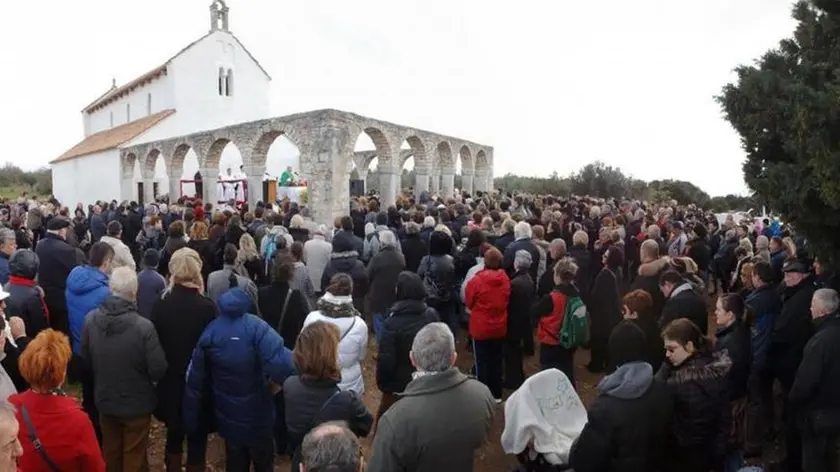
x: 326, y: 140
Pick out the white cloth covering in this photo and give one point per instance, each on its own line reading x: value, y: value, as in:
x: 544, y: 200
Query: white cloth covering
x: 546, y: 410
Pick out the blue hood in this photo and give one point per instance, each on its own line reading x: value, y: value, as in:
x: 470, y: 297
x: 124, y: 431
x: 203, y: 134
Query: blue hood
x: 234, y: 303
x: 85, y: 279
x: 628, y: 382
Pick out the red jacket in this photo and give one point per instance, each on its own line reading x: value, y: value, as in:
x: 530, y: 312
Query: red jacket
x: 551, y: 311
x: 487, y: 295
x: 63, y: 429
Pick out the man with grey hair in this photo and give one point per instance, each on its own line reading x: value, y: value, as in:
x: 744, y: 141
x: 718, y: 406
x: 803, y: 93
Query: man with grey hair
x: 816, y: 389
x: 8, y: 244
x: 522, y: 233
x: 556, y: 251
x: 330, y: 447
x: 443, y: 416
x: 126, y: 360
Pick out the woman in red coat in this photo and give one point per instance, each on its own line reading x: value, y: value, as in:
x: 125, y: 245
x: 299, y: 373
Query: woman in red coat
x: 64, y: 430
x: 487, y: 296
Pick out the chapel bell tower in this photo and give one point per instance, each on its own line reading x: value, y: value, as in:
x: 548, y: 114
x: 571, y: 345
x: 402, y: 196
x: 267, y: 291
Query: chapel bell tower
x: 219, y: 12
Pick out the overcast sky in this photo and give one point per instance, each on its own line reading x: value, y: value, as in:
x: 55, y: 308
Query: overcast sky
x: 552, y: 85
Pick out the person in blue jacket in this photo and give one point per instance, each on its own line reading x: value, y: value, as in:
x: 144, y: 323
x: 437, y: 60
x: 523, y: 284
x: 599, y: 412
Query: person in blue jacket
x: 242, y: 356
x: 87, y: 287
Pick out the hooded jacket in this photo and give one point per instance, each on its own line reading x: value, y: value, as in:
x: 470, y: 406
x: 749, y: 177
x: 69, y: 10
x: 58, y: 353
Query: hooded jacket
x: 487, y: 297
x: 122, y: 254
x: 87, y: 287
x: 26, y: 301
x: 353, y: 333
x: 124, y: 352
x: 628, y: 423
x: 393, y: 365
x: 235, y: 358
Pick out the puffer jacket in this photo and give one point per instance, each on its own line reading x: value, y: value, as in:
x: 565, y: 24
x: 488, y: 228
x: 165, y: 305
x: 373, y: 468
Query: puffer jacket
x: 347, y: 262
x: 487, y: 297
x: 339, y: 310
x: 87, y: 287
x: 393, y: 366
x: 441, y: 270
x: 702, y: 414
x: 735, y: 340
x: 240, y: 353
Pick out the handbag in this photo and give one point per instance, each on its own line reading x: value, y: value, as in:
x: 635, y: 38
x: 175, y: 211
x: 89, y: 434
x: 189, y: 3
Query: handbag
x: 36, y: 443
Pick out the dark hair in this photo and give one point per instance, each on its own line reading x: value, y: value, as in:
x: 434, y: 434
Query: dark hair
x: 670, y: 276
x: 114, y: 228
x: 764, y: 271
x: 683, y: 331
x: 176, y: 229
x: 341, y: 284
x: 740, y: 252
x: 100, y: 253
x: 346, y: 223
x: 476, y: 238
x: 258, y: 212
x: 735, y: 303
x: 230, y: 253
x: 282, y: 268
x: 410, y: 287
x: 615, y: 257
x: 297, y: 250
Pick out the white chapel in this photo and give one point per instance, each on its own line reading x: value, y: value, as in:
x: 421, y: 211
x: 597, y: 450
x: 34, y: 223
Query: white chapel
x: 212, y: 82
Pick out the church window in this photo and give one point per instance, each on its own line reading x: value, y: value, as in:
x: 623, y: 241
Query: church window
x: 149, y: 104
x: 229, y: 83
x: 127, y: 112
x: 112, y: 119
x: 222, y: 81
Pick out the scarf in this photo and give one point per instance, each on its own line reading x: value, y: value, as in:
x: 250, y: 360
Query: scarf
x: 23, y: 282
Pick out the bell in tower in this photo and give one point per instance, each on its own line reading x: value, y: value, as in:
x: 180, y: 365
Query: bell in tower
x: 219, y: 16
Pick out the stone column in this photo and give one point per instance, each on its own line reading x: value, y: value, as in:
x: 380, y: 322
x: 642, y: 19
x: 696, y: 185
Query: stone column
x: 174, y: 186
x: 325, y: 155
x: 421, y: 182
x: 490, y: 186
x: 448, y: 182
x: 434, y: 181
x: 209, y: 184
x: 467, y: 185
x: 148, y: 189
x: 480, y: 180
x: 254, y: 176
x: 389, y: 184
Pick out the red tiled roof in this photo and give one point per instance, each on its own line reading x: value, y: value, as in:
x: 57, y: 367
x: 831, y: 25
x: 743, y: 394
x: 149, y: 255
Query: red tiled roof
x: 111, y: 138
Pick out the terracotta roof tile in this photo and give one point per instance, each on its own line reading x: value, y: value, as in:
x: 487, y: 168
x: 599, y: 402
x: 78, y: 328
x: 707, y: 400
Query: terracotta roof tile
x: 111, y: 138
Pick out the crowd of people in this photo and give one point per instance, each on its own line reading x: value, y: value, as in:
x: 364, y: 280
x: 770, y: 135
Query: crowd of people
x: 254, y: 323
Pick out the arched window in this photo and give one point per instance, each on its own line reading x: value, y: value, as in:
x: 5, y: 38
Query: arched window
x: 112, y: 119
x: 222, y: 81
x: 229, y: 83
x: 149, y: 104
x: 127, y: 112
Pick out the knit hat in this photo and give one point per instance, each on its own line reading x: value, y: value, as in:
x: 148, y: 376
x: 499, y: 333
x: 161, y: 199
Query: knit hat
x: 151, y: 258
x: 627, y: 344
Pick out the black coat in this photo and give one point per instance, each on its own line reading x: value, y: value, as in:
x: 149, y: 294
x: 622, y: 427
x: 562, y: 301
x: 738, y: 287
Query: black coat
x: 271, y: 300
x: 585, y: 276
x: 735, y: 339
x: 698, y: 251
x: 179, y: 318
x: 393, y: 366
x: 503, y: 241
x: 604, y: 305
x: 521, y: 300
x: 25, y: 303
x: 524, y: 244
x: 413, y: 249
x: 791, y: 331
x: 685, y: 304
x: 382, y: 272
x: 306, y: 407
x: 625, y: 433
x: 702, y: 414
x: 816, y: 390
x: 654, y: 351
x: 648, y: 280
x: 57, y: 259
x: 204, y: 248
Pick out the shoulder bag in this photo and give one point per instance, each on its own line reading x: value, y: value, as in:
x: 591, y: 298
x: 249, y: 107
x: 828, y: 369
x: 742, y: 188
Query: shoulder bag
x: 36, y: 443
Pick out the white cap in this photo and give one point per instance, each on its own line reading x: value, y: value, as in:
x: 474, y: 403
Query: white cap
x: 4, y: 294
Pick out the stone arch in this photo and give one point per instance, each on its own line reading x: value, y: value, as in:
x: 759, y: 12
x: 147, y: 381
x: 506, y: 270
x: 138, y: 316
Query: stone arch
x: 150, y: 162
x: 421, y: 159
x: 128, y: 161
x: 467, y: 164
x: 444, y: 156
x: 259, y: 152
x: 213, y: 157
x: 176, y: 161
x: 381, y: 143
x: 481, y: 161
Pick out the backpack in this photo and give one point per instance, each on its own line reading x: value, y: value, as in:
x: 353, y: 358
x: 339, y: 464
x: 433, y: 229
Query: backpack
x: 270, y: 249
x: 574, y: 332
x: 435, y: 290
